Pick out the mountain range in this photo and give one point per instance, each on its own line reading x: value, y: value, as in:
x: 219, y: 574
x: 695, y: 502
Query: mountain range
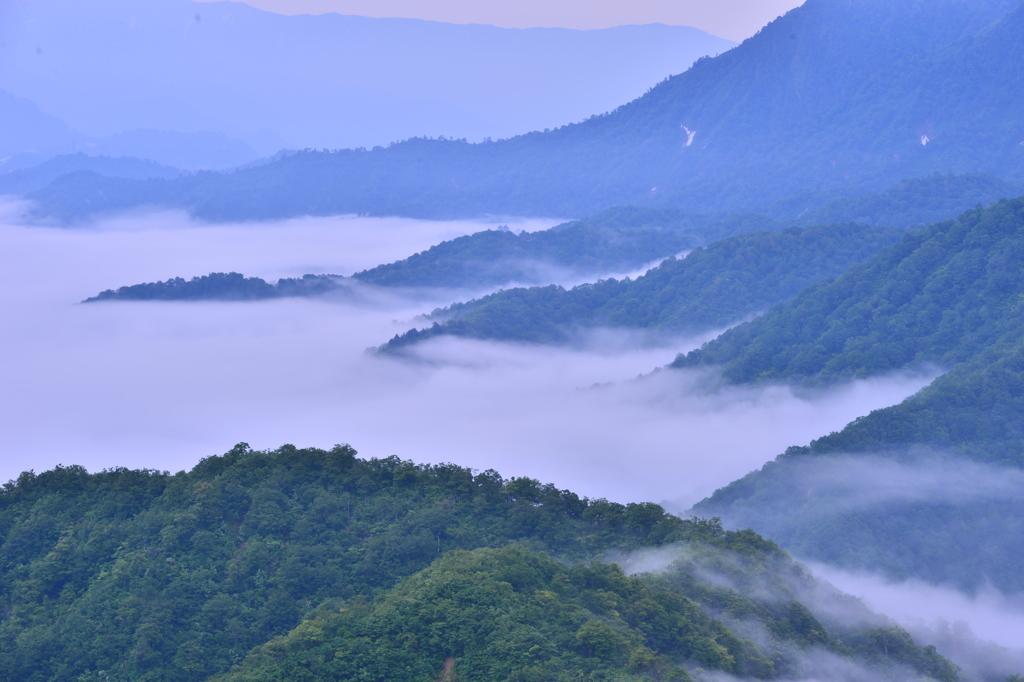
x: 271, y: 81
x: 832, y: 97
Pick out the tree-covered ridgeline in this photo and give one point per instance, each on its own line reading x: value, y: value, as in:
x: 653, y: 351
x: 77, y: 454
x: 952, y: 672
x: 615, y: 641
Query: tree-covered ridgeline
x: 709, y: 288
x: 941, y: 295
x: 949, y: 296
x: 621, y: 238
x: 514, y: 614
x: 615, y: 240
x: 143, y: 575
x: 221, y: 286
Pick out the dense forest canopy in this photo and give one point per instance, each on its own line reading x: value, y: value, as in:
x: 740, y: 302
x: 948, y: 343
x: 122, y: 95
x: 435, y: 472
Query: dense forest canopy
x: 309, y: 565
x: 950, y: 296
x: 621, y: 238
x: 910, y: 202
x: 143, y: 575
x: 945, y: 295
x: 711, y: 287
x: 512, y: 614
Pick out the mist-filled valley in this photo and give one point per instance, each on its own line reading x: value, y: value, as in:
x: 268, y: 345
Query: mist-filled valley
x: 164, y: 383
x: 192, y: 379
x: 630, y: 354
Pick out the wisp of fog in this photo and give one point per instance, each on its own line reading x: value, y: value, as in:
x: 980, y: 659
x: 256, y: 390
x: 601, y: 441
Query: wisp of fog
x: 979, y: 632
x: 161, y: 385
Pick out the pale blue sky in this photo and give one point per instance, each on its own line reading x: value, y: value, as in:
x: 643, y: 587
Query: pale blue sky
x: 732, y: 19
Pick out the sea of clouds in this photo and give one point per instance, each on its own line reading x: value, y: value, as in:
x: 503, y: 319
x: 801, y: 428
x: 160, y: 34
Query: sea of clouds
x: 162, y: 384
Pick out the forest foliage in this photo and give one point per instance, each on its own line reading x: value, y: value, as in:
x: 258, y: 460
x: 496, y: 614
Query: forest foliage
x: 143, y: 575
x: 710, y: 287
x: 910, y: 202
x: 949, y: 296
x: 621, y: 238
x: 513, y: 614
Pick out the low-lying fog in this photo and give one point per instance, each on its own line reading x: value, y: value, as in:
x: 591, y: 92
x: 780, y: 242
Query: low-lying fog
x: 160, y: 385
x: 981, y: 632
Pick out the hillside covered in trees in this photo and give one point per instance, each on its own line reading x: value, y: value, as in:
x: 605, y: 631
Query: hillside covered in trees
x: 948, y: 296
x: 310, y: 564
x: 710, y: 287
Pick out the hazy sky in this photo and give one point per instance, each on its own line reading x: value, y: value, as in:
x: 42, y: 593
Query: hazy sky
x: 732, y: 19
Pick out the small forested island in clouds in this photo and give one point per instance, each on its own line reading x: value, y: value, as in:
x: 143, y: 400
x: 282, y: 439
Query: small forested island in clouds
x: 221, y: 286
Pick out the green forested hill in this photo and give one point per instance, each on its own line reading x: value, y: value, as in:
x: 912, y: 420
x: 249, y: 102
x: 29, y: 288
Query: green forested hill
x: 711, y: 287
x: 512, y: 614
x: 949, y: 296
x: 941, y: 295
x: 142, y: 575
x: 833, y: 96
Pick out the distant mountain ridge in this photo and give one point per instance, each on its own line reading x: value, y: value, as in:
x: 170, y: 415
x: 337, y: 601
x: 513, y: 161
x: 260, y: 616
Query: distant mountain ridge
x: 833, y: 95
x: 38, y: 176
x: 30, y: 138
x: 320, y: 81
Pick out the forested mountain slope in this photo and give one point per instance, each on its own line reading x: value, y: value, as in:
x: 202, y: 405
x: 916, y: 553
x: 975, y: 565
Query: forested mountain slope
x: 941, y: 295
x: 948, y: 296
x: 142, y: 575
x: 835, y: 94
x: 617, y: 239
x: 710, y: 287
x: 511, y: 614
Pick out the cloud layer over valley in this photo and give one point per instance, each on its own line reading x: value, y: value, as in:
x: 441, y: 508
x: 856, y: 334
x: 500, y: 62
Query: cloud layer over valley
x: 160, y: 385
